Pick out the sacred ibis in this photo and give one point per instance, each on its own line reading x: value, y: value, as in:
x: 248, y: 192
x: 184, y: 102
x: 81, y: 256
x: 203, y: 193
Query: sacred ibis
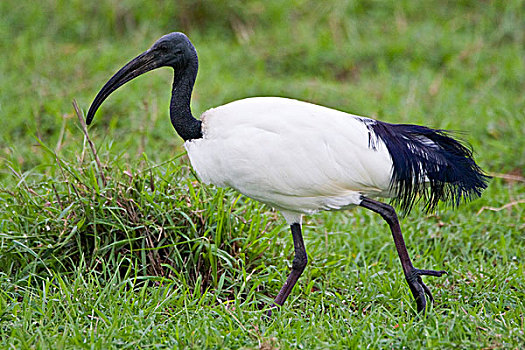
x: 301, y: 158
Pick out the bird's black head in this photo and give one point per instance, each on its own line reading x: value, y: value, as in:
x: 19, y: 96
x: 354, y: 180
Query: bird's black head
x: 172, y: 50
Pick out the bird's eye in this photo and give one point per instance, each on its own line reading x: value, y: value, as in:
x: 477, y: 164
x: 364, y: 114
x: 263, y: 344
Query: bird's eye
x: 163, y: 47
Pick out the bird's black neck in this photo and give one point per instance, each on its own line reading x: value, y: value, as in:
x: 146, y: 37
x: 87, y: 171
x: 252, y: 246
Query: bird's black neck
x: 182, y: 119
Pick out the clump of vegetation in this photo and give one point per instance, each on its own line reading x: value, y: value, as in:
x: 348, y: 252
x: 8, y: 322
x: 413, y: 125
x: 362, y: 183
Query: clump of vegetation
x: 158, y: 219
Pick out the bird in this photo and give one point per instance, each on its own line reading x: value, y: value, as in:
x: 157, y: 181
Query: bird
x: 301, y: 158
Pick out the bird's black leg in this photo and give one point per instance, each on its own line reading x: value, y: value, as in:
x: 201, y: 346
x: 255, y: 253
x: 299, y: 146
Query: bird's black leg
x: 299, y: 263
x: 412, y: 275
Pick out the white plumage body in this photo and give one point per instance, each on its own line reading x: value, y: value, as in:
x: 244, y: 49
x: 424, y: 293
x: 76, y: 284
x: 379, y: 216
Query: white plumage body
x: 295, y: 156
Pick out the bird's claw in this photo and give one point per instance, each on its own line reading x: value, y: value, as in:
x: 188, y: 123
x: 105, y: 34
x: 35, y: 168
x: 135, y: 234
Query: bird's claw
x: 268, y: 315
x: 419, y: 289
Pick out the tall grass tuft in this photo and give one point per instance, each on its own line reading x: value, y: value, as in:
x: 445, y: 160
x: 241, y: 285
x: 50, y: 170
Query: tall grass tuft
x: 156, y: 220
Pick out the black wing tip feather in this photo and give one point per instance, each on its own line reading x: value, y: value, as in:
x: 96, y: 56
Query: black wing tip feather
x: 442, y: 170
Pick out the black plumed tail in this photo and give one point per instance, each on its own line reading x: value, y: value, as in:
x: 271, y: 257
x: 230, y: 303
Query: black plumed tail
x: 429, y: 164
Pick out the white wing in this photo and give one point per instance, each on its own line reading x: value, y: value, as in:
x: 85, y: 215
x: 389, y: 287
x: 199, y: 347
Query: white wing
x: 293, y: 155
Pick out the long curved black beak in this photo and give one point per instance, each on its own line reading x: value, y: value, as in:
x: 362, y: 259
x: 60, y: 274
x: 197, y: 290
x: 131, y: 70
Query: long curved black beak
x: 141, y: 64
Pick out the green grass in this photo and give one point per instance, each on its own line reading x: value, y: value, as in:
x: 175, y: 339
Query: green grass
x: 154, y: 259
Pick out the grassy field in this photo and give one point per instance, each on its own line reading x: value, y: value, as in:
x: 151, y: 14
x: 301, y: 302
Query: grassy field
x: 153, y: 259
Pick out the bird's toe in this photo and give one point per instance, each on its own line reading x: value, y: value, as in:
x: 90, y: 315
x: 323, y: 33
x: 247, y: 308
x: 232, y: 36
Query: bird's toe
x: 419, y: 290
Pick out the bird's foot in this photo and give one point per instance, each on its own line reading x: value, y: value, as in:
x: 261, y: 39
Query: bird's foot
x: 268, y: 315
x: 418, y: 288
